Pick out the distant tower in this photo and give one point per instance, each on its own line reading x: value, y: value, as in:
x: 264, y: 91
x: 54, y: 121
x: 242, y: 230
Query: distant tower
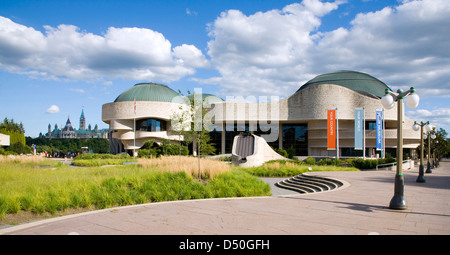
x: 49, y: 130
x: 82, y: 121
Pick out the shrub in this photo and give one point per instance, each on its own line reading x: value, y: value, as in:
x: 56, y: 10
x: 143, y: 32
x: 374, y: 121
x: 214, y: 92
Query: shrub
x: 147, y: 153
x: 291, y: 152
x: 281, y: 152
x: 329, y: 162
x: 310, y: 161
x: 370, y: 163
x: 102, y: 156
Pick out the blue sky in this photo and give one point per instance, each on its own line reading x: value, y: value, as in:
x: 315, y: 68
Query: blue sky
x: 82, y: 54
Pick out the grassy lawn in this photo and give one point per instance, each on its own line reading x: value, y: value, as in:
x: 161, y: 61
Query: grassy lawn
x: 58, y: 188
x: 282, y: 168
x: 40, y: 187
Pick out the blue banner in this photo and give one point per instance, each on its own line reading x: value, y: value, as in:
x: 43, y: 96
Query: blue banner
x: 359, y: 129
x: 379, y: 126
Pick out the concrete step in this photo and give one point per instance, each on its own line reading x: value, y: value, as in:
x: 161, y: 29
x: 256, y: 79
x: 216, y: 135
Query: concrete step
x: 309, y: 184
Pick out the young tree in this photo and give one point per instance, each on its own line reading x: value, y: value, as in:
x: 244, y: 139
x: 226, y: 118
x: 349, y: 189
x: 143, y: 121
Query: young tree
x: 189, y: 123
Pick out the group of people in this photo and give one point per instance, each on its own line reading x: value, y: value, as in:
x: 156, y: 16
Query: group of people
x: 68, y: 155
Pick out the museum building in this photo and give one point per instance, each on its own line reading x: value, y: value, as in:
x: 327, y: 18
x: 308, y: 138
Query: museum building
x: 298, y: 122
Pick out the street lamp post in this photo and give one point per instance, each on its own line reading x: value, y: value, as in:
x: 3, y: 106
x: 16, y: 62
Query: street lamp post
x: 388, y: 101
x: 416, y: 127
x: 430, y: 136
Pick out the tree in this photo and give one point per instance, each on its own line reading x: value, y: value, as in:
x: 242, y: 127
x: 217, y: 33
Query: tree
x: 16, y: 134
x: 97, y: 145
x: 189, y: 123
x: 440, y: 145
x: 10, y: 125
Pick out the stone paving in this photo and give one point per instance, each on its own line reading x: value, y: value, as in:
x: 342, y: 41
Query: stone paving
x: 359, y: 208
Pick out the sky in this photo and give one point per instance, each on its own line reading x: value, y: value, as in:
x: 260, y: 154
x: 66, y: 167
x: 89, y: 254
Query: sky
x: 59, y: 57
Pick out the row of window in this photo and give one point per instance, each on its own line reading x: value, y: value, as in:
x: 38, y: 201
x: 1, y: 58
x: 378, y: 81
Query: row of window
x: 151, y: 125
x: 294, y: 135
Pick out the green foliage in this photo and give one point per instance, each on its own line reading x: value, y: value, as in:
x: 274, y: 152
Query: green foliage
x: 357, y: 163
x: 370, y: 163
x: 19, y: 148
x: 100, y: 162
x: 10, y: 125
x: 291, y: 152
x: 97, y: 145
x: 102, y: 156
x: 182, y: 124
x: 150, y: 149
x: 25, y: 189
x: 288, y: 168
x: 280, y: 151
x: 96, y: 159
x: 310, y: 161
x: 14, y: 136
x: 329, y: 162
x: 16, y: 141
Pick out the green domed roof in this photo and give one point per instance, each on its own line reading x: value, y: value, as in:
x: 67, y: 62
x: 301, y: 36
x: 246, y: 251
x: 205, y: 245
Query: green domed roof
x: 207, y: 98
x: 148, y: 92
x: 356, y: 81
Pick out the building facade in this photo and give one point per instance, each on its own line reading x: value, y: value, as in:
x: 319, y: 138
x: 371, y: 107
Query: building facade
x: 298, y: 122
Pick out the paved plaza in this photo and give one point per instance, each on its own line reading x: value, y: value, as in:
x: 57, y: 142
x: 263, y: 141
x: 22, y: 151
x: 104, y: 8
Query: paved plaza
x: 358, y: 208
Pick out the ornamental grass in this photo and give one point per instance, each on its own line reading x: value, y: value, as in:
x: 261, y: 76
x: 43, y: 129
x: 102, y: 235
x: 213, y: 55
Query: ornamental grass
x: 209, y: 168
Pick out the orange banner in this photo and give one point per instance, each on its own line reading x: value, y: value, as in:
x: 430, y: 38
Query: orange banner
x: 331, y: 129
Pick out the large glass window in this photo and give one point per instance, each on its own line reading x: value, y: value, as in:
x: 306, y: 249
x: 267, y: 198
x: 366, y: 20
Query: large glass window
x: 150, y: 125
x: 296, y: 136
x: 232, y: 130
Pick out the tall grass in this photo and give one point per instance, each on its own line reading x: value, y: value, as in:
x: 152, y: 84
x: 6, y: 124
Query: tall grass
x: 209, y: 168
x: 39, y: 190
x: 21, y: 159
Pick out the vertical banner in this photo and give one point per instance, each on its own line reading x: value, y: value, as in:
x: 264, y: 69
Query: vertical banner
x: 379, y: 127
x: 331, y: 129
x: 359, y: 122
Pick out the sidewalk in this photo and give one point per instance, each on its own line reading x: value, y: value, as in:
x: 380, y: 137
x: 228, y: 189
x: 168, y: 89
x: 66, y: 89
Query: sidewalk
x: 359, y: 208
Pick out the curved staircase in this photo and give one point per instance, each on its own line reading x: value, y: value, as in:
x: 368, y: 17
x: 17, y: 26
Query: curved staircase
x: 309, y: 184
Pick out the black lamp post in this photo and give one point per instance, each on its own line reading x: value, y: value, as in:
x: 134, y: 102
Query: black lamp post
x: 388, y: 101
x: 431, y: 135
x: 416, y: 127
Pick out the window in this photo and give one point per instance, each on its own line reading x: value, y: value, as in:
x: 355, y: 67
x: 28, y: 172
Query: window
x: 371, y: 125
x: 296, y: 136
x: 150, y: 125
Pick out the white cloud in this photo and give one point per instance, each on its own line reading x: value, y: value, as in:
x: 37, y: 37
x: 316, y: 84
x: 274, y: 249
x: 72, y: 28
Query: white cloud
x: 279, y: 50
x: 67, y: 52
x: 438, y: 117
x: 191, y: 12
x: 52, y: 109
x: 407, y: 45
x: 189, y: 55
x: 81, y: 91
x: 269, y: 47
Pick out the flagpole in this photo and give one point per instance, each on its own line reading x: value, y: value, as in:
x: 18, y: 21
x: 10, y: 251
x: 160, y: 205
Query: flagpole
x: 383, y: 145
x: 364, y: 133
x: 337, y: 134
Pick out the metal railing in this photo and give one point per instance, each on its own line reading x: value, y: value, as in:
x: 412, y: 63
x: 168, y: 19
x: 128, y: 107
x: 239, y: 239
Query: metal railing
x: 391, y: 164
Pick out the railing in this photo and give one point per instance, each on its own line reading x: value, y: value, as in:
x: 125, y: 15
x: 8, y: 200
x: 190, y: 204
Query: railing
x: 405, y: 164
